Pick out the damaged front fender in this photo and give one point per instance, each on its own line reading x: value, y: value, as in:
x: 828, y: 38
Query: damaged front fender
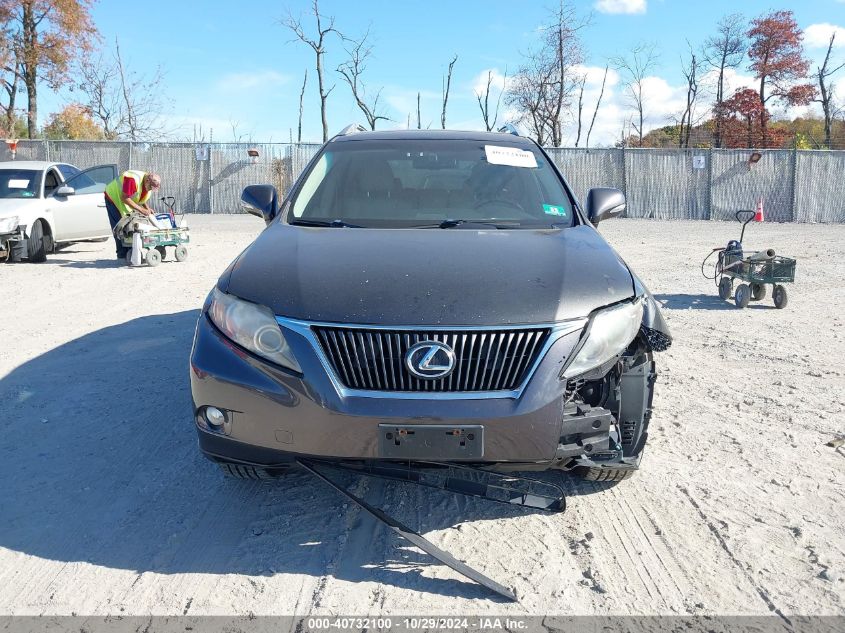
x: 654, y: 328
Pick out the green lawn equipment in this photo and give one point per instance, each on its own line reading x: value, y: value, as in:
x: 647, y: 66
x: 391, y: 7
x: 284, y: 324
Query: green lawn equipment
x: 754, y: 268
x: 156, y: 241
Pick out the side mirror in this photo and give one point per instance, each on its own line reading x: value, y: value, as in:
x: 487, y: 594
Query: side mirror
x: 261, y: 200
x: 64, y: 191
x: 604, y: 203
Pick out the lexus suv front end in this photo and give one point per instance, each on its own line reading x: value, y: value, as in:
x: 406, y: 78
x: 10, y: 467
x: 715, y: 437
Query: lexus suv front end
x: 428, y: 296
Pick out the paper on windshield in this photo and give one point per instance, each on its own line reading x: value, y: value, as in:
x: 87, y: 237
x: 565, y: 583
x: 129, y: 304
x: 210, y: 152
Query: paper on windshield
x: 511, y: 156
x: 16, y: 183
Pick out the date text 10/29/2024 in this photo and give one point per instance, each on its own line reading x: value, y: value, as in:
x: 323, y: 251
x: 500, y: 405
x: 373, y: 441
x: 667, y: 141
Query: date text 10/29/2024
x: 415, y: 623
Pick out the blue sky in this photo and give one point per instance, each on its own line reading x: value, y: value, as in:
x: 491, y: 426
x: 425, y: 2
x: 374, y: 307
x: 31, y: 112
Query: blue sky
x: 230, y: 63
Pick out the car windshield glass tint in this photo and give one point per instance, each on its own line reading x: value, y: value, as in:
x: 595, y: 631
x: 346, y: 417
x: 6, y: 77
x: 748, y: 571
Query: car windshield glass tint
x: 416, y: 183
x: 19, y: 183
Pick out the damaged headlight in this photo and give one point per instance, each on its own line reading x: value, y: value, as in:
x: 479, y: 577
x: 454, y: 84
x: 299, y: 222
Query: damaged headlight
x: 251, y: 326
x: 610, y: 331
x: 9, y: 224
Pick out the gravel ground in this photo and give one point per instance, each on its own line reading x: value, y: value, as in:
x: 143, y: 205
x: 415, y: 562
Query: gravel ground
x: 108, y: 508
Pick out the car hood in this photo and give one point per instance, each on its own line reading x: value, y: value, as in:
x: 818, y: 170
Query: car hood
x: 429, y: 276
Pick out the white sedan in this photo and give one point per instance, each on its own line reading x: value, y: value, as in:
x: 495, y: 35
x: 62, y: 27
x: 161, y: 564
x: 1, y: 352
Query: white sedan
x: 44, y: 204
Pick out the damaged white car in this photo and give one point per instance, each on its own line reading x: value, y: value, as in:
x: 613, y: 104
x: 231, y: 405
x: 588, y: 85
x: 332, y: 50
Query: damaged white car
x: 44, y: 205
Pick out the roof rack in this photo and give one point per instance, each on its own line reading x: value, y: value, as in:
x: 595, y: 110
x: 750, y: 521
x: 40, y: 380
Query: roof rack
x: 509, y: 128
x: 352, y: 128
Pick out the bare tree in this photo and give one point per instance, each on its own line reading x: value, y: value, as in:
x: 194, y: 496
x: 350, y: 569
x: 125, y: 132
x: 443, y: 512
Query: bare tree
x: 126, y: 104
x: 826, y: 90
x: 690, y: 71
x: 543, y: 87
x: 635, y: 67
x: 484, y: 105
x: 526, y: 93
x: 352, y: 70
x: 447, y: 82
x: 317, y: 43
x: 580, y: 107
x: 301, y: 102
x: 723, y: 51
x: 598, y: 103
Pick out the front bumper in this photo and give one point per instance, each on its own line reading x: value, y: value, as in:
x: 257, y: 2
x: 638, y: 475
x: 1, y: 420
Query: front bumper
x: 274, y: 415
x: 13, y: 241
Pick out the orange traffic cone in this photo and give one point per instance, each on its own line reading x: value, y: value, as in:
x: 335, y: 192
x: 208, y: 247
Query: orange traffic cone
x: 758, y: 214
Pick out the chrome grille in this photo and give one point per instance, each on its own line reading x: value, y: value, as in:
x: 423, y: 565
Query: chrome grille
x: 486, y: 360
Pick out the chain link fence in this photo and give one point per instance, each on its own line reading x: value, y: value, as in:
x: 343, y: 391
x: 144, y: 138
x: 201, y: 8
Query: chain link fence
x: 699, y: 184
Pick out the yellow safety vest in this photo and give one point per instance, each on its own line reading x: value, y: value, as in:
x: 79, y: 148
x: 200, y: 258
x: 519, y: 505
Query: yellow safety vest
x: 114, y: 190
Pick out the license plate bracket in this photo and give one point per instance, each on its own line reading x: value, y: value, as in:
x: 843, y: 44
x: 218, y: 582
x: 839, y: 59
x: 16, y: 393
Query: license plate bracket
x: 440, y: 442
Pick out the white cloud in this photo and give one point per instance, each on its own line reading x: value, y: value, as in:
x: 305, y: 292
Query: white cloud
x: 818, y: 35
x: 479, y: 83
x: 235, y: 82
x: 595, y: 75
x: 621, y: 6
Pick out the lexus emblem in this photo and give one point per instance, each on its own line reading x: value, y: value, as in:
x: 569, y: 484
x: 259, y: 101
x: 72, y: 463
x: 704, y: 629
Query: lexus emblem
x: 430, y: 360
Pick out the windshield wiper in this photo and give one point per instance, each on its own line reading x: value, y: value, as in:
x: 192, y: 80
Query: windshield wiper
x: 333, y: 223
x: 450, y: 223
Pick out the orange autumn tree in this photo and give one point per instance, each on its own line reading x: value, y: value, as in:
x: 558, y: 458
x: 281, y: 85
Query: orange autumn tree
x: 74, y: 122
x: 778, y: 63
x: 47, y: 37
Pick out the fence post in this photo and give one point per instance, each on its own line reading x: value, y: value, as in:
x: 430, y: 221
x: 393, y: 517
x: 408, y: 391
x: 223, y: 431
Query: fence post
x: 710, y: 184
x: 794, y: 182
x: 130, y: 155
x: 625, y: 177
x: 210, y: 176
x: 46, y: 150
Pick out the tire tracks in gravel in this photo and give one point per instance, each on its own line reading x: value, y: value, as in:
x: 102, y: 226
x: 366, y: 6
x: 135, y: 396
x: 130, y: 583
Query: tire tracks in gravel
x: 316, y: 590
x: 764, y: 595
x: 645, y: 563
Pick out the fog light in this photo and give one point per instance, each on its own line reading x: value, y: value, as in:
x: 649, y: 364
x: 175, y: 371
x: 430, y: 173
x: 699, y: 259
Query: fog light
x: 214, y: 416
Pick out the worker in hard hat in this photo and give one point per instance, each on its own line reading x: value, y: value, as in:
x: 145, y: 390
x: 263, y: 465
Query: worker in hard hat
x: 129, y: 193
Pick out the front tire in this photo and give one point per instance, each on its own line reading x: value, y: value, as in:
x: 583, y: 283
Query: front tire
x: 604, y: 474
x: 725, y: 287
x: 37, y: 243
x: 242, y: 471
x: 780, y: 297
x: 153, y: 257
x: 742, y: 296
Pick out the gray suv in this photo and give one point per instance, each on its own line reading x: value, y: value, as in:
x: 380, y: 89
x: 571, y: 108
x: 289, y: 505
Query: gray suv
x: 428, y: 296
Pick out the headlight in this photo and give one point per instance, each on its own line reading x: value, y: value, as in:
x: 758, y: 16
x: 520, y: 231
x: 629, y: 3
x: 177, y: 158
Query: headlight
x: 611, y: 331
x: 7, y: 225
x: 251, y: 326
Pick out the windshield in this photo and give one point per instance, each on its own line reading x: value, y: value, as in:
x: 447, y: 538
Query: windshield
x: 19, y: 183
x: 431, y: 182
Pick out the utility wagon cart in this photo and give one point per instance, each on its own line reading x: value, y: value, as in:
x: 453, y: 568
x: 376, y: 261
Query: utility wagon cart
x: 156, y: 241
x: 755, y: 269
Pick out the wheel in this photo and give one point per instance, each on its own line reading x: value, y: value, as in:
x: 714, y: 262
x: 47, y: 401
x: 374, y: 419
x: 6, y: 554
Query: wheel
x: 725, y: 287
x: 162, y: 251
x: 780, y: 297
x: 153, y: 257
x: 181, y: 253
x: 742, y: 295
x: 758, y: 292
x: 129, y: 257
x: 37, y: 243
x: 604, y: 474
x: 241, y: 471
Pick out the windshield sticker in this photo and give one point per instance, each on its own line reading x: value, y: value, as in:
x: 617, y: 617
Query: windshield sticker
x: 553, y: 209
x: 511, y: 156
x: 15, y: 183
